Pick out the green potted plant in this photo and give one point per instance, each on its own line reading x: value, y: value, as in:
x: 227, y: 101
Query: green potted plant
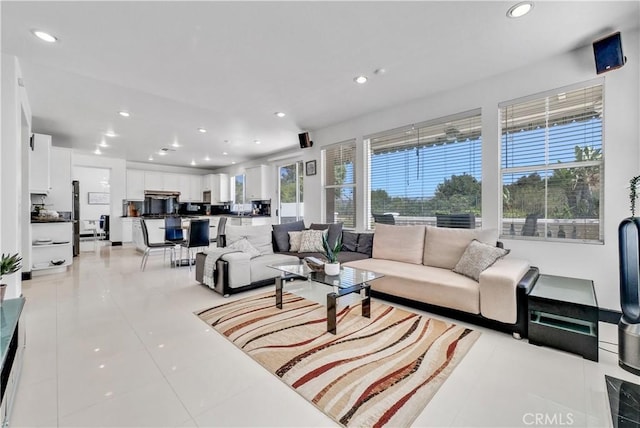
x: 332, y: 267
x: 8, y: 264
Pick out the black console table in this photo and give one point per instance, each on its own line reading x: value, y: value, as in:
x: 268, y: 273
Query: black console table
x: 563, y: 313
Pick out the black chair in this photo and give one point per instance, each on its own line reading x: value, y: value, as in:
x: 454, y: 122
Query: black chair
x: 530, y: 227
x: 384, y: 218
x: 220, y: 235
x: 457, y: 221
x: 173, y: 232
x: 152, y: 246
x: 197, y: 237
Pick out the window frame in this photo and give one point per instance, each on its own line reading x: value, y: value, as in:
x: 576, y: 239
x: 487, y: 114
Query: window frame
x: 351, y: 142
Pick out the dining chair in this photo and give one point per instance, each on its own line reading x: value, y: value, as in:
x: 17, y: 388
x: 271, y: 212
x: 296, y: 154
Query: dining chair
x: 150, y: 246
x: 173, y: 232
x: 197, y: 237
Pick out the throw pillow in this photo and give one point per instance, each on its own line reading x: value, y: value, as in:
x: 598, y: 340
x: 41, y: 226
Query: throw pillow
x: 245, y: 246
x: 311, y: 241
x: 478, y: 257
x: 365, y: 243
x: 295, y: 239
x: 335, y: 230
x: 349, y: 241
x: 281, y: 233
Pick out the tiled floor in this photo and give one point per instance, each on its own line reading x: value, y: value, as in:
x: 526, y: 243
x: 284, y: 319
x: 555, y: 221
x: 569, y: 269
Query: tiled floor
x: 108, y: 345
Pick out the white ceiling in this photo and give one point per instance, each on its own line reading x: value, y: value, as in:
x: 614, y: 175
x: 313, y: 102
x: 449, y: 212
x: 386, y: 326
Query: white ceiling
x: 228, y: 66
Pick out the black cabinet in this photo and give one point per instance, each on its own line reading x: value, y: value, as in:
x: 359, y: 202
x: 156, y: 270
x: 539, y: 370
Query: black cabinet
x: 563, y: 313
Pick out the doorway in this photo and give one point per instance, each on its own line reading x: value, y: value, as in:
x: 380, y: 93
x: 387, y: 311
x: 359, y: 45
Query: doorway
x: 291, y: 192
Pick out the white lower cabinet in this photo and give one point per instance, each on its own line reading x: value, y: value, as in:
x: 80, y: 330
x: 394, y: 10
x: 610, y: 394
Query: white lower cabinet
x: 127, y: 229
x: 52, y: 247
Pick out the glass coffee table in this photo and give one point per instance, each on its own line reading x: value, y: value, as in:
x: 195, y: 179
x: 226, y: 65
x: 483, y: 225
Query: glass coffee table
x: 349, y: 281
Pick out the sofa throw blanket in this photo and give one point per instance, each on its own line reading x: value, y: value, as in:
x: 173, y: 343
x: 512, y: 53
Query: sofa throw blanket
x: 213, y: 255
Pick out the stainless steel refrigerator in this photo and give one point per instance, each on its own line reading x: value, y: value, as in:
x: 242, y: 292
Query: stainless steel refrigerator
x: 75, y: 216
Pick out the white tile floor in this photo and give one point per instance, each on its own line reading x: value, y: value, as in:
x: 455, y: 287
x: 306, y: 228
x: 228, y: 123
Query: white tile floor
x: 108, y: 345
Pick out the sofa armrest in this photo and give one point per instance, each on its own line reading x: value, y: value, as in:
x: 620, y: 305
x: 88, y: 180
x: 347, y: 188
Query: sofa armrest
x: 498, y: 284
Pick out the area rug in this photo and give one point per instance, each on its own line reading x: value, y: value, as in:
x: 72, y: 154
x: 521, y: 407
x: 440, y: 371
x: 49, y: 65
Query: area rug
x: 376, y: 371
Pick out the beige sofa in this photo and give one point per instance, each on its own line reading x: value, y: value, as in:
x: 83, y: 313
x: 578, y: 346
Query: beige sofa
x: 418, y: 261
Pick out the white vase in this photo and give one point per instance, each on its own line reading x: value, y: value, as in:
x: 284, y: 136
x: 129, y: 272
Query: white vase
x: 332, y: 268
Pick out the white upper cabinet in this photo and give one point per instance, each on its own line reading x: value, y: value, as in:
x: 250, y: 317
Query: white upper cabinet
x: 135, y: 185
x: 40, y: 170
x: 185, y: 188
x: 195, y: 186
x: 60, y: 195
x: 153, y: 180
x: 171, y: 182
x: 256, y: 179
x: 218, y: 185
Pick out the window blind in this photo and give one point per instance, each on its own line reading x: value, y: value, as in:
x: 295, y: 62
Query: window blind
x: 340, y: 184
x: 421, y: 171
x: 552, y: 159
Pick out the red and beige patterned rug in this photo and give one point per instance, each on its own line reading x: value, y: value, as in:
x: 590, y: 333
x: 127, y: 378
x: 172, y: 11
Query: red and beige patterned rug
x: 374, y: 372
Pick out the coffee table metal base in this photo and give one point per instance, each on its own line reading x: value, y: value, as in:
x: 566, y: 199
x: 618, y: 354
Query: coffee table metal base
x: 332, y: 302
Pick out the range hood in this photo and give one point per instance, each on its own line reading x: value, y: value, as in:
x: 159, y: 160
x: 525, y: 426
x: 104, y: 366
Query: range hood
x: 159, y: 194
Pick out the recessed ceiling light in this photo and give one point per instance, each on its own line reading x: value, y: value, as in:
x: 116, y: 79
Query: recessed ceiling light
x: 202, y: 130
x: 207, y: 158
x: 175, y: 144
x: 193, y: 163
x: 97, y: 151
x: 161, y: 153
x: 124, y: 113
x: 45, y: 36
x: 520, y: 9
x: 257, y: 141
x: 150, y: 158
x: 103, y: 144
x: 225, y: 153
x: 279, y: 114
x: 110, y: 134
x: 233, y: 163
x: 360, y: 79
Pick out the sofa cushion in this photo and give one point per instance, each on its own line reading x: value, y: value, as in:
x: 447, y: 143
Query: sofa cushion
x: 281, y: 233
x: 365, y: 243
x: 349, y: 241
x: 295, y: 239
x: 434, y: 286
x: 477, y: 257
x: 258, y: 236
x: 335, y: 231
x: 260, y: 269
x: 244, y: 246
x: 312, y: 241
x: 399, y: 243
x: 444, y: 246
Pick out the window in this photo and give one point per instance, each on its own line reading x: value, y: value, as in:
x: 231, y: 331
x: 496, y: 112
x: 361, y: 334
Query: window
x: 340, y: 183
x: 238, y: 189
x: 551, y: 166
x: 291, y: 192
x: 427, y: 173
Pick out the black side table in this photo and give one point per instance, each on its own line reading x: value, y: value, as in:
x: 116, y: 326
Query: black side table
x: 563, y: 313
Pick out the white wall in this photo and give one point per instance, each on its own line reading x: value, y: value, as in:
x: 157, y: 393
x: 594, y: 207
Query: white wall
x: 14, y: 205
x: 621, y: 148
x: 117, y: 178
x: 92, y: 179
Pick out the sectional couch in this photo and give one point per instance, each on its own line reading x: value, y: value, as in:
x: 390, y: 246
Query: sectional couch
x: 419, y: 265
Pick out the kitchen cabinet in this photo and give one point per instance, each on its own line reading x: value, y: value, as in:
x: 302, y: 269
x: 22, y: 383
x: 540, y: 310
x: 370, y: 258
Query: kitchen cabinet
x: 256, y: 180
x: 218, y: 185
x: 195, y: 186
x: 60, y: 195
x: 51, y: 242
x: 153, y: 180
x: 40, y: 164
x: 184, y: 187
x: 171, y: 182
x: 127, y: 229
x: 135, y: 185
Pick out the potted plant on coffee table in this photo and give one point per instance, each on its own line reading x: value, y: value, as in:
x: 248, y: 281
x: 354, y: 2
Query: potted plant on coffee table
x: 8, y: 264
x: 332, y: 267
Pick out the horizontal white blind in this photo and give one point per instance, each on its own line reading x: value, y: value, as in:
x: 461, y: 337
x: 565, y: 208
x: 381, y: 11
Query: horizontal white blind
x: 552, y: 165
x: 340, y: 201
x: 422, y: 170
